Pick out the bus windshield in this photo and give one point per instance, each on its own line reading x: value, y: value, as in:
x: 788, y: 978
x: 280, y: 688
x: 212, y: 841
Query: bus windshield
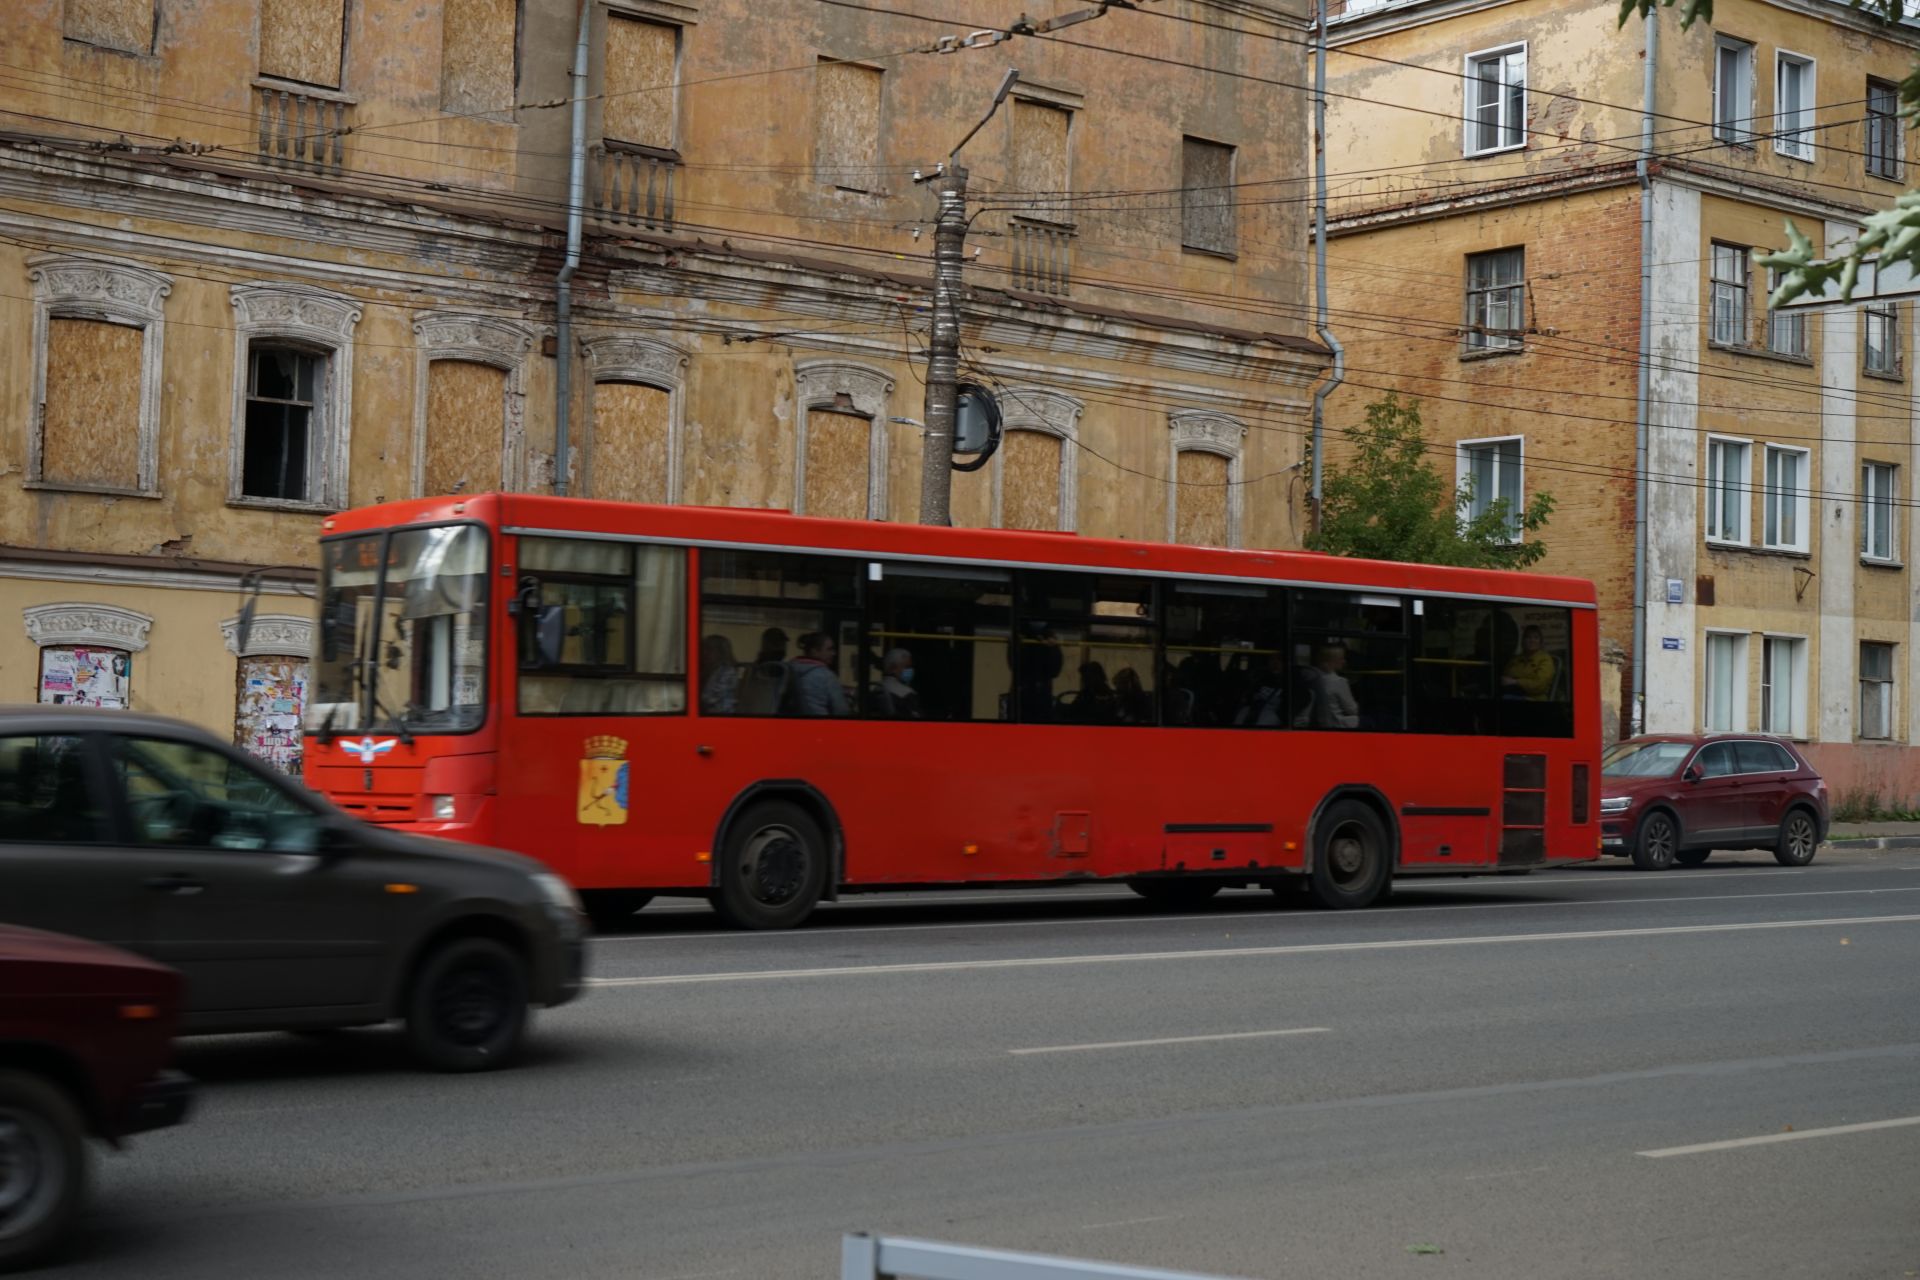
x: 402, y: 633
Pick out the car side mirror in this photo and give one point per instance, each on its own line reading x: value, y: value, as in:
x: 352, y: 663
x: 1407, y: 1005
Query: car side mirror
x: 1692, y: 773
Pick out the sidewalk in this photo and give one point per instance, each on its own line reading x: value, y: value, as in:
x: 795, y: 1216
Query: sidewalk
x: 1875, y: 835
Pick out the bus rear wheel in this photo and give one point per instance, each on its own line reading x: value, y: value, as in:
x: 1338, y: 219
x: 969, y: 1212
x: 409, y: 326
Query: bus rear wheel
x: 1351, y: 856
x: 1175, y: 893
x: 773, y: 867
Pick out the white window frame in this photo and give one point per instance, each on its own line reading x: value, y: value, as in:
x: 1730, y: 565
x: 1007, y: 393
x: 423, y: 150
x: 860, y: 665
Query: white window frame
x: 1793, y: 135
x: 1739, y: 293
x: 1890, y: 684
x: 1733, y: 118
x: 1716, y: 482
x: 1880, y: 505
x: 1786, y: 326
x: 1795, y: 679
x: 1463, y: 469
x: 1894, y: 124
x: 322, y: 323
x: 1204, y: 431
x: 108, y: 292
x: 1887, y: 313
x: 1048, y: 413
x: 1470, y: 110
x: 1799, y: 494
x: 1736, y: 720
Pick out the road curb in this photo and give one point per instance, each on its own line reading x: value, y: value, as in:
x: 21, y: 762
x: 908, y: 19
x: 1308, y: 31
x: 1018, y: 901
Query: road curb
x: 1875, y: 842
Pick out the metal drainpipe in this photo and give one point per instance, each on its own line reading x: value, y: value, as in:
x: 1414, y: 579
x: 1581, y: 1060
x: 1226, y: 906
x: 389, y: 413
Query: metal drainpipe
x: 563, y: 283
x: 1338, y: 372
x: 1644, y: 408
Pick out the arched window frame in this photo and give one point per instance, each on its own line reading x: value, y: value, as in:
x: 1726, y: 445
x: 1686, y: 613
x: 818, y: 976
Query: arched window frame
x: 648, y: 362
x: 115, y: 293
x: 488, y: 340
x: 1205, y: 431
x: 303, y: 316
x: 1051, y: 413
x: 843, y: 385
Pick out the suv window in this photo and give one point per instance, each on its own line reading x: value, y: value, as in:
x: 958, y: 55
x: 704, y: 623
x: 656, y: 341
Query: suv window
x: 44, y: 796
x: 183, y: 795
x: 1765, y: 757
x: 1716, y: 760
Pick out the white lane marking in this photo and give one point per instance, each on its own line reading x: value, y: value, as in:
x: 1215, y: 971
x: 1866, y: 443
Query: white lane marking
x: 1141, y: 1044
x: 1765, y: 1138
x: 1222, y: 953
x: 1209, y: 917
x: 1128, y: 1222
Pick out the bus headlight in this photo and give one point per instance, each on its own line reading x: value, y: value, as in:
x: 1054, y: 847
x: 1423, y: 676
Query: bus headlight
x: 442, y: 808
x: 1614, y: 804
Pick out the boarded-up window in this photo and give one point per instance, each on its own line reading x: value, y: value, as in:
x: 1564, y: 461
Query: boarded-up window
x: 846, y: 126
x: 1030, y: 480
x: 631, y: 425
x: 300, y: 40
x: 478, y: 45
x: 640, y: 82
x: 1206, y: 196
x: 1041, y: 169
x: 1200, y: 499
x: 838, y: 449
x: 466, y: 427
x: 126, y: 25
x: 90, y: 434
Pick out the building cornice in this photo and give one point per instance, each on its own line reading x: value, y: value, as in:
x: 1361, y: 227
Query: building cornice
x: 1529, y: 189
x: 1783, y: 197
x: 1389, y: 19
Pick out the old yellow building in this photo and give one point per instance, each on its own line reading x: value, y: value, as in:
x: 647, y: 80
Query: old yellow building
x: 272, y: 258
x: 1543, y: 227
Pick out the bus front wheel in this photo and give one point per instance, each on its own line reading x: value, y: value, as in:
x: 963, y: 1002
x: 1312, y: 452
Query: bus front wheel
x: 773, y: 868
x: 1351, y: 856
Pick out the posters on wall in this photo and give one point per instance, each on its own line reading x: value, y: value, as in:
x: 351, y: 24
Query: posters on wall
x: 82, y: 676
x: 272, y: 699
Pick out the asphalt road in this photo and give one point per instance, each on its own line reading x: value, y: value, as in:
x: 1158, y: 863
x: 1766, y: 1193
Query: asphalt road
x: 1511, y: 1071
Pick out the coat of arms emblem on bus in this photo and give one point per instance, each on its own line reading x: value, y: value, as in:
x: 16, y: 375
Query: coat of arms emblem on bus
x: 603, y: 782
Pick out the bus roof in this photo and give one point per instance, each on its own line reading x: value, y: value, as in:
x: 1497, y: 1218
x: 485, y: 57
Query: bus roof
x: 746, y: 527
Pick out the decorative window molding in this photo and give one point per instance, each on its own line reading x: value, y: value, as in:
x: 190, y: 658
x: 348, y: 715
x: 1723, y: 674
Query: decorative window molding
x: 1050, y: 413
x: 1204, y: 431
x: 279, y: 635
x: 850, y: 388
x: 105, y: 626
x: 503, y: 344
x: 324, y: 323
x: 653, y: 363
x: 116, y: 293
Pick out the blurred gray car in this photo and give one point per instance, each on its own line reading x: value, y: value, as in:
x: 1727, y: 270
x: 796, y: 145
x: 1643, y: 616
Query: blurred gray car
x: 281, y: 912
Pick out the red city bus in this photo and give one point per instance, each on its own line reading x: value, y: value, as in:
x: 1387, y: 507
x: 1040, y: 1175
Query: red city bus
x: 768, y: 710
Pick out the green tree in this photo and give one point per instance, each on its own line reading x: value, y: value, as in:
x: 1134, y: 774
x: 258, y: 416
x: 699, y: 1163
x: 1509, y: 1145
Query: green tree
x: 1890, y: 236
x: 1389, y: 502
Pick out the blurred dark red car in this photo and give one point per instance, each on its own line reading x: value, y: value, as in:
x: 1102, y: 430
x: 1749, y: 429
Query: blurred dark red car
x: 85, y: 1034
x: 1671, y: 798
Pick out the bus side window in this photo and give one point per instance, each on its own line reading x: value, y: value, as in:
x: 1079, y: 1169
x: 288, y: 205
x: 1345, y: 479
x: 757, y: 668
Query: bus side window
x: 1534, y: 651
x: 1453, y: 671
x: 780, y: 634
x: 604, y: 628
x: 1226, y: 657
x: 937, y: 636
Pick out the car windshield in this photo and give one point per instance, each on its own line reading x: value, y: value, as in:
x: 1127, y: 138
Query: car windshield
x: 1644, y: 759
x: 402, y: 632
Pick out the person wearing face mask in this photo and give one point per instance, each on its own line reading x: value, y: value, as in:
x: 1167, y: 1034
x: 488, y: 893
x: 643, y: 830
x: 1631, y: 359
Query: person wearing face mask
x: 894, y: 697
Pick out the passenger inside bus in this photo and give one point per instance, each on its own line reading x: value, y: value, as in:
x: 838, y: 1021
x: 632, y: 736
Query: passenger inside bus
x: 894, y: 697
x: 813, y: 682
x: 1530, y: 672
x: 1329, y: 697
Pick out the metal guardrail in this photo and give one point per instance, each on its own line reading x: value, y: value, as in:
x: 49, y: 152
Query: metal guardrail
x: 865, y: 1257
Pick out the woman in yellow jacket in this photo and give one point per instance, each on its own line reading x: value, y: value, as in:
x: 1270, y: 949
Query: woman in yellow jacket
x: 1529, y: 673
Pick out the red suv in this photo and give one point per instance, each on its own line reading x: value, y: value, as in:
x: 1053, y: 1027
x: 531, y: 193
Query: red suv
x: 1677, y: 797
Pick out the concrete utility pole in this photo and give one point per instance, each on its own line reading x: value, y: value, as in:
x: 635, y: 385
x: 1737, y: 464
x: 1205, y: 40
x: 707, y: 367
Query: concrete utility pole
x: 943, y: 344
x: 943, y: 347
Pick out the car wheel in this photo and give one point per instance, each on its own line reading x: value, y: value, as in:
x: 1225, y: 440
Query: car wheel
x: 773, y: 868
x: 1691, y: 857
x: 1659, y: 840
x: 611, y: 909
x: 1799, y: 839
x: 1351, y: 866
x: 1175, y: 893
x: 468, y: 1007
x: 43, y: 1168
